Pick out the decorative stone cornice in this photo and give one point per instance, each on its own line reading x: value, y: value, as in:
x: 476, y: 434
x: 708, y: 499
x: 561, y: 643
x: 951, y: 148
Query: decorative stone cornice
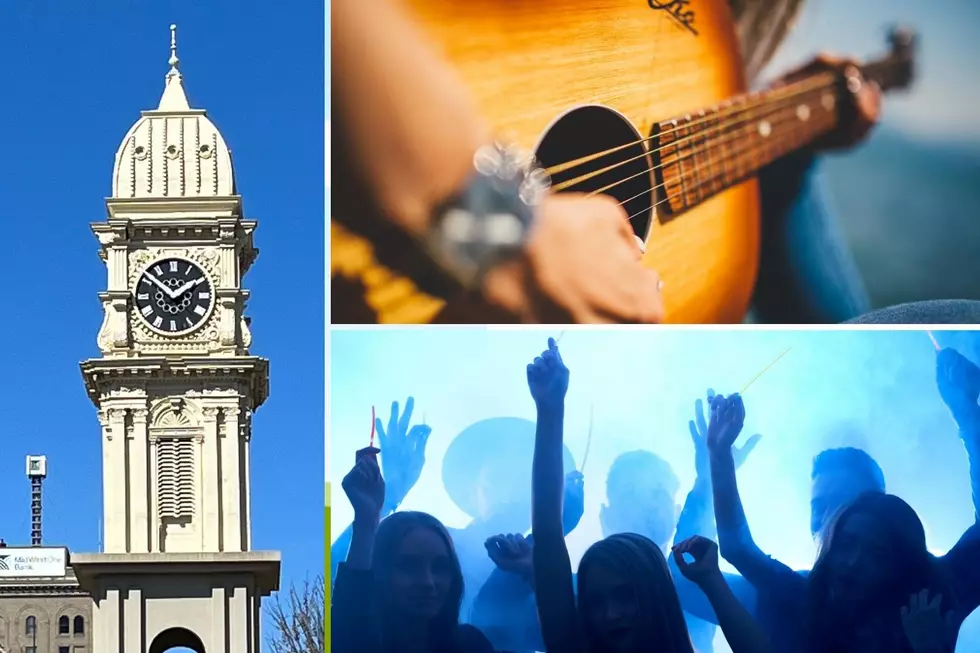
x: 105, y: 375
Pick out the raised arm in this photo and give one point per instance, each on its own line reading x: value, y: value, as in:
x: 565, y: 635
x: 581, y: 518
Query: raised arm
x: 697, y: 518
x: 734, y: 538
x: 547, y: 378
x: 958, y: 380
x: 741, y: 631
x: 351, y: 609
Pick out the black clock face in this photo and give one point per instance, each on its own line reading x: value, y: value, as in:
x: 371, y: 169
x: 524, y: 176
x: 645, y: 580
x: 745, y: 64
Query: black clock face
x: 174, y: 296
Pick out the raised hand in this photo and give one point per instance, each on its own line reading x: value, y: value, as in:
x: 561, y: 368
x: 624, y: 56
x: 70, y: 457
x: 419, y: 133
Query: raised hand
x: 512, y: 553
x: 727, y: 419
x: 574, y: 504
x: 547, y: 378
x: 364, y: 486
x: 958, y: 380
x: 927, y: 630
x: 705, y: 553
x: 402, y: 451
x: 699, y: 435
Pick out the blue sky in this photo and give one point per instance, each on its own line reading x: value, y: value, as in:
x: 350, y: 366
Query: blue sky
x: 875, y: 390
x: 79, y: 82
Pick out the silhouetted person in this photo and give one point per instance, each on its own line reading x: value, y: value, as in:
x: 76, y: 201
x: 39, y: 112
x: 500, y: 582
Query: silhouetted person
x: 2, y: 544
x: 779, y: 587
x: 626, y: 597
x: 401, y: 587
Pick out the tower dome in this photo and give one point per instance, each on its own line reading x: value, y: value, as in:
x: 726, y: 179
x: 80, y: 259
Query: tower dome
x: 173, y: 151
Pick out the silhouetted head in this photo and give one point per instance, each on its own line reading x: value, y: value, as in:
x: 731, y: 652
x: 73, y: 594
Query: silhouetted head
x: 873, y: 556
x: 487, y: 468
x: 640, y: 491
x: 839, y: 476
x: 626, y: 597
x: 417, y: 574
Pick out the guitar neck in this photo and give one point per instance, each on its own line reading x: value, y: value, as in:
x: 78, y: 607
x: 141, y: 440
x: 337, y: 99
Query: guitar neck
x: 702, y: 155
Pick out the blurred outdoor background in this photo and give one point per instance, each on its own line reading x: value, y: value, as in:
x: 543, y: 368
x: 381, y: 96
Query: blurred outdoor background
x: 909, y: 198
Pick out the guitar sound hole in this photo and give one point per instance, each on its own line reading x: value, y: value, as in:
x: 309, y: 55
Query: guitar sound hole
x: 590, y: 130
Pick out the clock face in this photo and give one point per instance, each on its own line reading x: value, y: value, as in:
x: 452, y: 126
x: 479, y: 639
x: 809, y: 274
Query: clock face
x: 174, y: 296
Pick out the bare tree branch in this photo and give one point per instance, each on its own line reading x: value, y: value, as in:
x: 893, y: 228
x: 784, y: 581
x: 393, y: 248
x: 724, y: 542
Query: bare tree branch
x: 297, y: 619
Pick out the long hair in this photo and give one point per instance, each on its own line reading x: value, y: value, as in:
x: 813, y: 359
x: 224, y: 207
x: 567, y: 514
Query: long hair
x: 914, y: 569
x: 391, y: 532
x: 762, y: 25
x: 661, y: 620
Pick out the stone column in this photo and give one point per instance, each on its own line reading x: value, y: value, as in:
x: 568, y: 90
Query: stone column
x: 139, y: 541
x: 114, y: 481
x: 210, y: 472
x: 231, y: 479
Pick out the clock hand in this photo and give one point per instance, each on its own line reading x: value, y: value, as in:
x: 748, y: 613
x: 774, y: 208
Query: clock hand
x: 162, y: 286
x: 187, y: 286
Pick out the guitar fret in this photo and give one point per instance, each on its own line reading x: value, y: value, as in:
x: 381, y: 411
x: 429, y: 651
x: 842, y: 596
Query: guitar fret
x: 694, y: 161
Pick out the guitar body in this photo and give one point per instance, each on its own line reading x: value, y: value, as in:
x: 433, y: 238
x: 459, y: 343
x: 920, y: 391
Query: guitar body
x: 568, y: 78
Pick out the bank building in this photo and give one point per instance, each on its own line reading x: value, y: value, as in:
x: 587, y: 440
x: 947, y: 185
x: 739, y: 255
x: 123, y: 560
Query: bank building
x: 174, y: 389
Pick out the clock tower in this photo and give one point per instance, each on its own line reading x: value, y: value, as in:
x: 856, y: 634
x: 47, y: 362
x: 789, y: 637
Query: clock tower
x: 175, y: 388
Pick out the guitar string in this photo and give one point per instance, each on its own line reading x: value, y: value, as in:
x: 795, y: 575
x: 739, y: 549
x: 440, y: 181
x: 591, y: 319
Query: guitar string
x: 697, y: 186
x: 737, y: 106
x: 716, y: 143
x: 761, y: 112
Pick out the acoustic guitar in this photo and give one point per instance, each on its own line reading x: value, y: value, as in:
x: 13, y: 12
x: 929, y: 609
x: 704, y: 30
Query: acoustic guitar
x: 643, y: 100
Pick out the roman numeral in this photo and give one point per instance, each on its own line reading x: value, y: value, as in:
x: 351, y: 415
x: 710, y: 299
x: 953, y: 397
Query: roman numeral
x: 188, y: 320
x: 146, y: 281
x: 158, y: 270
x: 190, y: 268
x: 146, y: 310
x: 142, y: 296
x: 173, y: 325
x: 204, y: 295
x: 157, y: 321
x: 173, y: 266
x: 200, y: 310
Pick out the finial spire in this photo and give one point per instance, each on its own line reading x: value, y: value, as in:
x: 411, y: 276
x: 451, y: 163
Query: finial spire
x: 174, y: 61
x: 174, y: 98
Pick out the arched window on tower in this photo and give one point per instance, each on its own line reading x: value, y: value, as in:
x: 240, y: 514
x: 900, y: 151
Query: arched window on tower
x: 63, y: 626
x: 79, y: 625
x: 30, y: 625
x: 175, y: 478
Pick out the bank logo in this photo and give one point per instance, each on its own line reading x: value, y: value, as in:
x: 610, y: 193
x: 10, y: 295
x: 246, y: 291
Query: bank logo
x: 3, y: 563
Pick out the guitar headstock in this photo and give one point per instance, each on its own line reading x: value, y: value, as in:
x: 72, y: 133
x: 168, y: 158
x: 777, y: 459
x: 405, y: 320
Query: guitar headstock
x: 896, y: 70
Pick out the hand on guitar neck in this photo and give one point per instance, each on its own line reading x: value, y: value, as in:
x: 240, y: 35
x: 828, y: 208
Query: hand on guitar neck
x: 865, y: 100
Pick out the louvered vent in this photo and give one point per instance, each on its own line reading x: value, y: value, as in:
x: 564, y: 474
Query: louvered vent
x: 175, y: 478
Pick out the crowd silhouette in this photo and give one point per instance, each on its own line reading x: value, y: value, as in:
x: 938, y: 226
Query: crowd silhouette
x: 405, y: 583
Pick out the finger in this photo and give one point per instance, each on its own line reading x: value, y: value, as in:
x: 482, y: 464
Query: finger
x: 381, y: 433
x: 709, y: 394
x: 406, y: 416
x: 743, y: 451
x: 913, y: 603
x: 418, y: 435
x: 905, y: 612
x: 923, y: 599
x: 393, y: 420
x: 699, y: 417
x: 682, y: 564
x: 935, y: 602
x: 641, y: 247
x: 695, y: 436
x: 531, y: 376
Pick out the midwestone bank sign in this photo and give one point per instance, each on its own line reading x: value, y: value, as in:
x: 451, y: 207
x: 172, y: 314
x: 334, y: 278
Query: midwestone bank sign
x: 35, y: 562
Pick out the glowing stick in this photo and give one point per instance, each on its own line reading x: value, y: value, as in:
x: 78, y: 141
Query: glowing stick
x: 372, y: 427
x: 558, y: 339
x: 935, y: 343
x: 588, y: 439
x: 764, y: 370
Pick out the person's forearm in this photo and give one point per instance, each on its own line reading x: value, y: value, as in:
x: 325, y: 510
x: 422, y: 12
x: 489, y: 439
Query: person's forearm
x: 362, y: 543
x: 741, y: 631
x: 547, y: 478
x: 971, y: 441
x: 410, y: 127
x: 734, y: 538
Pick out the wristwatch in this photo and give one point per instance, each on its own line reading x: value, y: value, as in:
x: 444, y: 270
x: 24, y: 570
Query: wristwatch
x: 488, y: 221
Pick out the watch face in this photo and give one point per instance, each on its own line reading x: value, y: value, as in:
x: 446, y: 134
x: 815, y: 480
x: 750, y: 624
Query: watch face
x: 174, y: 296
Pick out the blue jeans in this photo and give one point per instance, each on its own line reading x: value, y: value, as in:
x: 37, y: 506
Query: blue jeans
x: 807, y: 275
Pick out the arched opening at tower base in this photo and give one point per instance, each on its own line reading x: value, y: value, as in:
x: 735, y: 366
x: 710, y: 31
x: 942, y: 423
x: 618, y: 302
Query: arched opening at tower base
x: 176, y: 640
